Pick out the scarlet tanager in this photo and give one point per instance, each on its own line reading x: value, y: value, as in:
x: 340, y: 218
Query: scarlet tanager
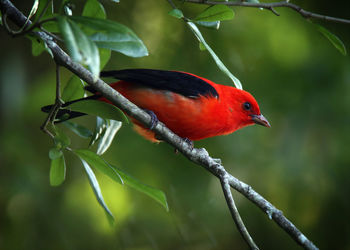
x: 191, y: 106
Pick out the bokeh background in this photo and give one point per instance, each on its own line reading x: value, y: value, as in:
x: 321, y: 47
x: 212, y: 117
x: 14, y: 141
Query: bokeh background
x: 301, y: 164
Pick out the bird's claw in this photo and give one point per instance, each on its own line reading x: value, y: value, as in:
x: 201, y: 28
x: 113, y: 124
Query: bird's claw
x: 154, y: 119
x: 189, y: 142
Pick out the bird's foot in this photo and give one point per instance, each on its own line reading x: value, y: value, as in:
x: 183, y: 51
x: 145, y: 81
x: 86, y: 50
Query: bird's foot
x: 154, y: 119
x: 189, y: 142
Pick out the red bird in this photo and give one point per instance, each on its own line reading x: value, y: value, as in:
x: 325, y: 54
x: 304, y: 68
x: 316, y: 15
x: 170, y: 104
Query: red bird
x: 191, y: 106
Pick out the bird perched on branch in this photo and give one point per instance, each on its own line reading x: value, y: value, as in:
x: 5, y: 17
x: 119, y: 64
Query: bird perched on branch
x: 191, y: 106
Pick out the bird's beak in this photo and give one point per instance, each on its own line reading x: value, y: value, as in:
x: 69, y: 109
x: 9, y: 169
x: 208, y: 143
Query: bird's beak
x: 261, y: 120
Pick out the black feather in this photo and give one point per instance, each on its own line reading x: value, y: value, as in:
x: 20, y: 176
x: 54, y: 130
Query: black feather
x: 178, y: 82
x: 62, y: 114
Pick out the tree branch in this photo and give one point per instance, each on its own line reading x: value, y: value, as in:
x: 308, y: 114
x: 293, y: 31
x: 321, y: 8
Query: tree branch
x: 270, y: 6
x: 199, y: 156
x: 235, y: 214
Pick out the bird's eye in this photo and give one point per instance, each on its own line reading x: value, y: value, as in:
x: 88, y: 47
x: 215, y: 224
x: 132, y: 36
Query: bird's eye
x: 247, y: 106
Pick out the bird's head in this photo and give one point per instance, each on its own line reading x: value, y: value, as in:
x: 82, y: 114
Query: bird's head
x: 246, y: 109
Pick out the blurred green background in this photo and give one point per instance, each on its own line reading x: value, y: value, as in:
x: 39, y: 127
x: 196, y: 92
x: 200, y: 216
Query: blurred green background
x: 301, y: 164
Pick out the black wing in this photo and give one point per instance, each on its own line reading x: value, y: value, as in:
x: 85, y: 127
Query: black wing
x: 178, y: 82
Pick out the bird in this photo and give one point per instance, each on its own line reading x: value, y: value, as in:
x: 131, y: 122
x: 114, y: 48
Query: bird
x: 191, y: 106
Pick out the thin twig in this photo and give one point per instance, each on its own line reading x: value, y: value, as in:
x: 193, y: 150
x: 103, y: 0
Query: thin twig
x: 58, y: 83
x: 7, y: 27
x: 199, y: 156
x: 43, y: 127
x: 28, y: 26
x: 235, y: 214
x: 270, y: 6
x: 172, y: 4
x: 58, y: 100
x: 274, y: 11
x: 57, y: 105
x: 34, y: 26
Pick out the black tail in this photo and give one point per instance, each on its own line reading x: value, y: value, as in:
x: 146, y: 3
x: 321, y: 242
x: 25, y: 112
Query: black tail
x: 64, y: 114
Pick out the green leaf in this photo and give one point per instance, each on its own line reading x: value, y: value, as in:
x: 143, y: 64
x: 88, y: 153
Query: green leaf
x: 48, y: 50
x: 34, y: 9
x: 176, y: 13
x: 105, y: 55
x: 114, y: 36
x: 202, y: 47
x: 94, y: 8
x: 108, y: 136
x: 94, y: 66
x: 61, y: 139
x: 97, y: 162
x: 211, y: 25
x: 216, y: 13
x: 79, y: 46
x: 98, y: 108
x: 57, y: 171
x: 101, y: 126
x: 88, y: 50
x: 337, y: 43
x: 51, y: 26
x: 217, y: 60
x: 37, y: 45
x: 69, y: 39
x: 78, y: 129
x: 97, y: 191
x: 73, y: 90
x: 55, y: 153
x: 154, y: 193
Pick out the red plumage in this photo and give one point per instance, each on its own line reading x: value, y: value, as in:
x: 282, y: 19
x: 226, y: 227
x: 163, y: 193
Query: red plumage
x: 191, y: 106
